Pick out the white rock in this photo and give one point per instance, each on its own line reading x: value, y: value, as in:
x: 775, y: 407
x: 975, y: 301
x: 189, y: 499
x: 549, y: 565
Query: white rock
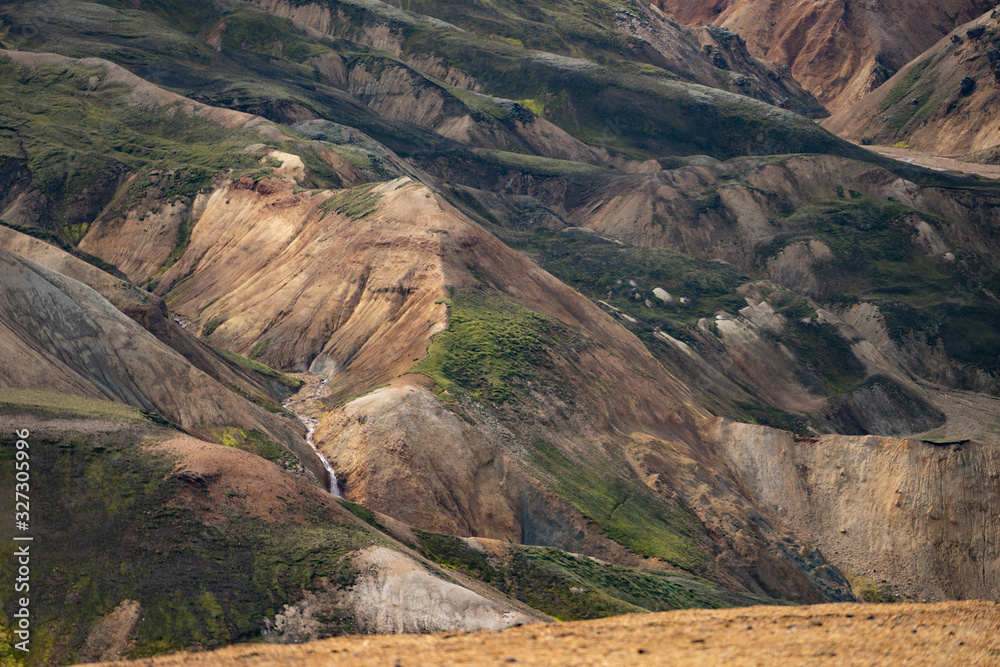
x: 663, y: 295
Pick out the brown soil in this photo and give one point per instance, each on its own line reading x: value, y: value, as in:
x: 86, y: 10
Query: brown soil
x: 836, y: 50
x: 925, y: 106
x: 965, y: 633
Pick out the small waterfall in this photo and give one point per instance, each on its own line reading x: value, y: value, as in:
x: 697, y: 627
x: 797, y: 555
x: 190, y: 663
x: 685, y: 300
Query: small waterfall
x: 311, y: 425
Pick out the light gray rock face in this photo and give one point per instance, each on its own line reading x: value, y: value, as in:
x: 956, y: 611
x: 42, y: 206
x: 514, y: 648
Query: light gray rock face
x: 395, y: 594
x: 921, y: 517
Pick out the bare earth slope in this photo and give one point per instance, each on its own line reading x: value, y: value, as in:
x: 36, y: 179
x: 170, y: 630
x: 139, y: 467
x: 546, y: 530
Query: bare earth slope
x: 907, y: 634
x: 513, y: 360
x: 359, y: 285
x: 65, y: 337
x: 839, y: 51
x: 925, y: 106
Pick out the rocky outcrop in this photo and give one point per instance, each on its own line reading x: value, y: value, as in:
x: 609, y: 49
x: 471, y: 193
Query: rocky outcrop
x: 912, y: 516
x: 111, y: 638
x: 396, y: 594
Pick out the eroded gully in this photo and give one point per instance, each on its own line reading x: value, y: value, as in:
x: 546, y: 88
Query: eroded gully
x: 307, y: 407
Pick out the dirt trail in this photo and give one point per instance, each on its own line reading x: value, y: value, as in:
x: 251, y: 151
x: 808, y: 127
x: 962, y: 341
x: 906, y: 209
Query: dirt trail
x: 936, y: 162
x: 947, y: 633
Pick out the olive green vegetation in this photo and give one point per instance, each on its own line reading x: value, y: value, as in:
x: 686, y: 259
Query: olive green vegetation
x: 254, y: 30
x: 209, y: 327
x: 191, y: 16
x: 832, y: 368
x: 573, y: 587
x: 257, y: 443
x: 355, y: 203
x: 75, y: 139
x: 363, y: 513
x: 624, y: 508
x: 262, y: 369
x: 494, y: 350
x: 877, y: 260
x: 492, y: 346
x: 260, y: 348
x: 261, y: 69
x: 51, y: 404
x: 67, y: 136
x: 603, y: 270
x: 109, y: 527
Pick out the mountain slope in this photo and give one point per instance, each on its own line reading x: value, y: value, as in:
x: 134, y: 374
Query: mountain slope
x: 839, y: 51
x: 942, y: 102
x: 589, y: 99
x: 520, y: 333
x: 150, y: 535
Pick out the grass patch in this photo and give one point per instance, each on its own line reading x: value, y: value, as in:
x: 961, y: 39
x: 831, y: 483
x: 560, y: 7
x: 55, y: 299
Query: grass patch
x: 257, y: 443
x: 262, y: 33
x: 569, y: 587
x: 604, y: 271
x: 491, y: 345
x: 624, y: 508
x: 260, y: 348
x: 259, y: 368
x: 67, y: 405
x: 905, y: 85
x: 355, y: 203
x: 209, y: 327
x: 107, y: 512
x: 819, y: 346
x: 362, y: 513
x: 768, y: 416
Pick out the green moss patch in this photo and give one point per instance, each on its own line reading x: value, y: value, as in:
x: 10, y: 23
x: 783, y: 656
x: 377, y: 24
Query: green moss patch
x: 355, y: 203
x: 491, y: 345
x: 108, y: 527
x: 571, y: 587
x: 69, y: 405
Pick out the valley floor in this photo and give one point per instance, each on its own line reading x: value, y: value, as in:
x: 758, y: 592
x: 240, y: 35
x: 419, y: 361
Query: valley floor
x: 946, y: 633
x: 936, y: 162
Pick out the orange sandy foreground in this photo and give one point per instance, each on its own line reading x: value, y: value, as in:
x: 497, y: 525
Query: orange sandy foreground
x: 946, y: 633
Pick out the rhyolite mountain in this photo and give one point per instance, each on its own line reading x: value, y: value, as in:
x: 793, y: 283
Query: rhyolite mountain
x: 589, y: 319
x: 839, y: 51
x: 945, y: 101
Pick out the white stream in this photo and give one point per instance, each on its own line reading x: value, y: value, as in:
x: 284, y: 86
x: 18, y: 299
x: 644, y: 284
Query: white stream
x: 311, y: 424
